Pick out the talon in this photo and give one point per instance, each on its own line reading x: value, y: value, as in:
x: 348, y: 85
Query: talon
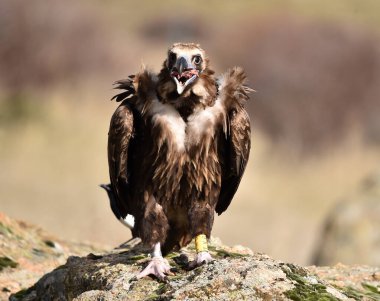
x: 158, y: 267
x: 201, y: 259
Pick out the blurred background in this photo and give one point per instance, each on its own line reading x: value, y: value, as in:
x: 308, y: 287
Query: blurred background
x: 311, y: 190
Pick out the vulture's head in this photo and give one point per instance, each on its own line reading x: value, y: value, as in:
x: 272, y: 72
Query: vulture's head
x: 185, y: 63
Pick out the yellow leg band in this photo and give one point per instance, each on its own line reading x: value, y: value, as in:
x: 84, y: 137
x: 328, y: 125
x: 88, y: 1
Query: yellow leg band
x: 201, y: 243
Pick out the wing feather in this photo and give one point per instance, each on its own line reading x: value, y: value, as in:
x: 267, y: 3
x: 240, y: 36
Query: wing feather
x: 127, y: 85
x: 238, y: 144
x: 125, y: 130
x: 120, y: 135
x: 237, y: 139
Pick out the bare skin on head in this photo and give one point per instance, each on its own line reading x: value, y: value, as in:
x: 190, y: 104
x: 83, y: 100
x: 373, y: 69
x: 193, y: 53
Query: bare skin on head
x: 177, y: 149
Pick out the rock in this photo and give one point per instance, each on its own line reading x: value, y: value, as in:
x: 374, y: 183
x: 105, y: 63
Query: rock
x: 236, y: 274
x: 351, y: 233
x: 356, y: 282
x: 27, y: 253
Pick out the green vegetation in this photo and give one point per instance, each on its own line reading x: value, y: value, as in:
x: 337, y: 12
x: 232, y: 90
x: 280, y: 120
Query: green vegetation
x: 224, y: 253
x: 370, y: 292
x: 312, y: 292
x: 5, y: 230
x: 172, y: 255
x: 303, y: 290
x: 162, y: 289
x: 138, y: 257
x: 22, y: 293
x: 6, y: 262
x: 49, y: 243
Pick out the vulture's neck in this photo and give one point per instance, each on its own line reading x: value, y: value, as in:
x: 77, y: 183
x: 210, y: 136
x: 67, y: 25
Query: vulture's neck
x: 200, y: 95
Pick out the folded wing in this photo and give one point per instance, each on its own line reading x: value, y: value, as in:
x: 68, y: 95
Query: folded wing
x: 237, y: 139
x: 120, y: 137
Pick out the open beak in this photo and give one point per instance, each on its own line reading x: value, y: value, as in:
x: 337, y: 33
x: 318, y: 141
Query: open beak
x: 183, y: 73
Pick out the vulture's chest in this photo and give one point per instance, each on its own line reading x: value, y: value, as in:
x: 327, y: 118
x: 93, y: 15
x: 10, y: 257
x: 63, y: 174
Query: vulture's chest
x: 186, y: 137
x: 185, y: 153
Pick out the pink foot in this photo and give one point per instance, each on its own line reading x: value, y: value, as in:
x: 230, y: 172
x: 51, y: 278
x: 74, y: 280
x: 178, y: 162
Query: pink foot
x: 158, y: 267
x: 200, y: 259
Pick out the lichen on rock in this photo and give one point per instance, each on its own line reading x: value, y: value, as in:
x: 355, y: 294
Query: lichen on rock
x: 236, y: 274
x: 28, y: 252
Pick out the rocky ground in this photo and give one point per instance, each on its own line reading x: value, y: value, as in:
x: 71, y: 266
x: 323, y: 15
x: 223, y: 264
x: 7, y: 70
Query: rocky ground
x: 236, y: 274
x: 28, y: 252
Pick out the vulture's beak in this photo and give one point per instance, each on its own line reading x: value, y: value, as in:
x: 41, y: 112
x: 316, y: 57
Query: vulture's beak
x: 183, y: 73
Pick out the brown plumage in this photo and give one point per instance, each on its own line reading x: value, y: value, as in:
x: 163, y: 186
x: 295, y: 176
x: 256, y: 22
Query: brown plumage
x: 178, y: 146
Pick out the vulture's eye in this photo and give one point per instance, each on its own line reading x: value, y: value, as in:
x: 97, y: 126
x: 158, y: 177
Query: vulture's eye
x: 197, y: 59
x: 172, y: 58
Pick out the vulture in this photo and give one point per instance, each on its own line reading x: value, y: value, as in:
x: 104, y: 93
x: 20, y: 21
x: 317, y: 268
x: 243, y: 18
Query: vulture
x: 178, y: 145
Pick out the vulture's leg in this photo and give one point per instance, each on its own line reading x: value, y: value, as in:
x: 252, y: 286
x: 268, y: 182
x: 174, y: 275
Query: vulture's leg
x: 158, y: 266
x: 201, y: 217
x: 203, y: 256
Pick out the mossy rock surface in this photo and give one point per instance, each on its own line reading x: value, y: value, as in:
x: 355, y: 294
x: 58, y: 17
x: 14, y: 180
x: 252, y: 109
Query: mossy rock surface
x: 79, y: 271
x: 6, y: 262
x: 27, y: 253
x: 236, y: 274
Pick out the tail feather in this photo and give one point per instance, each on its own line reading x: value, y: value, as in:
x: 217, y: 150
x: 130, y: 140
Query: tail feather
x: 127, y: 220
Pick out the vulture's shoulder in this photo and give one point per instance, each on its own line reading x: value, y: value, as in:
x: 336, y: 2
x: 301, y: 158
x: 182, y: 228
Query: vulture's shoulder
x: 137, y: 89
x: 233, y: 90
